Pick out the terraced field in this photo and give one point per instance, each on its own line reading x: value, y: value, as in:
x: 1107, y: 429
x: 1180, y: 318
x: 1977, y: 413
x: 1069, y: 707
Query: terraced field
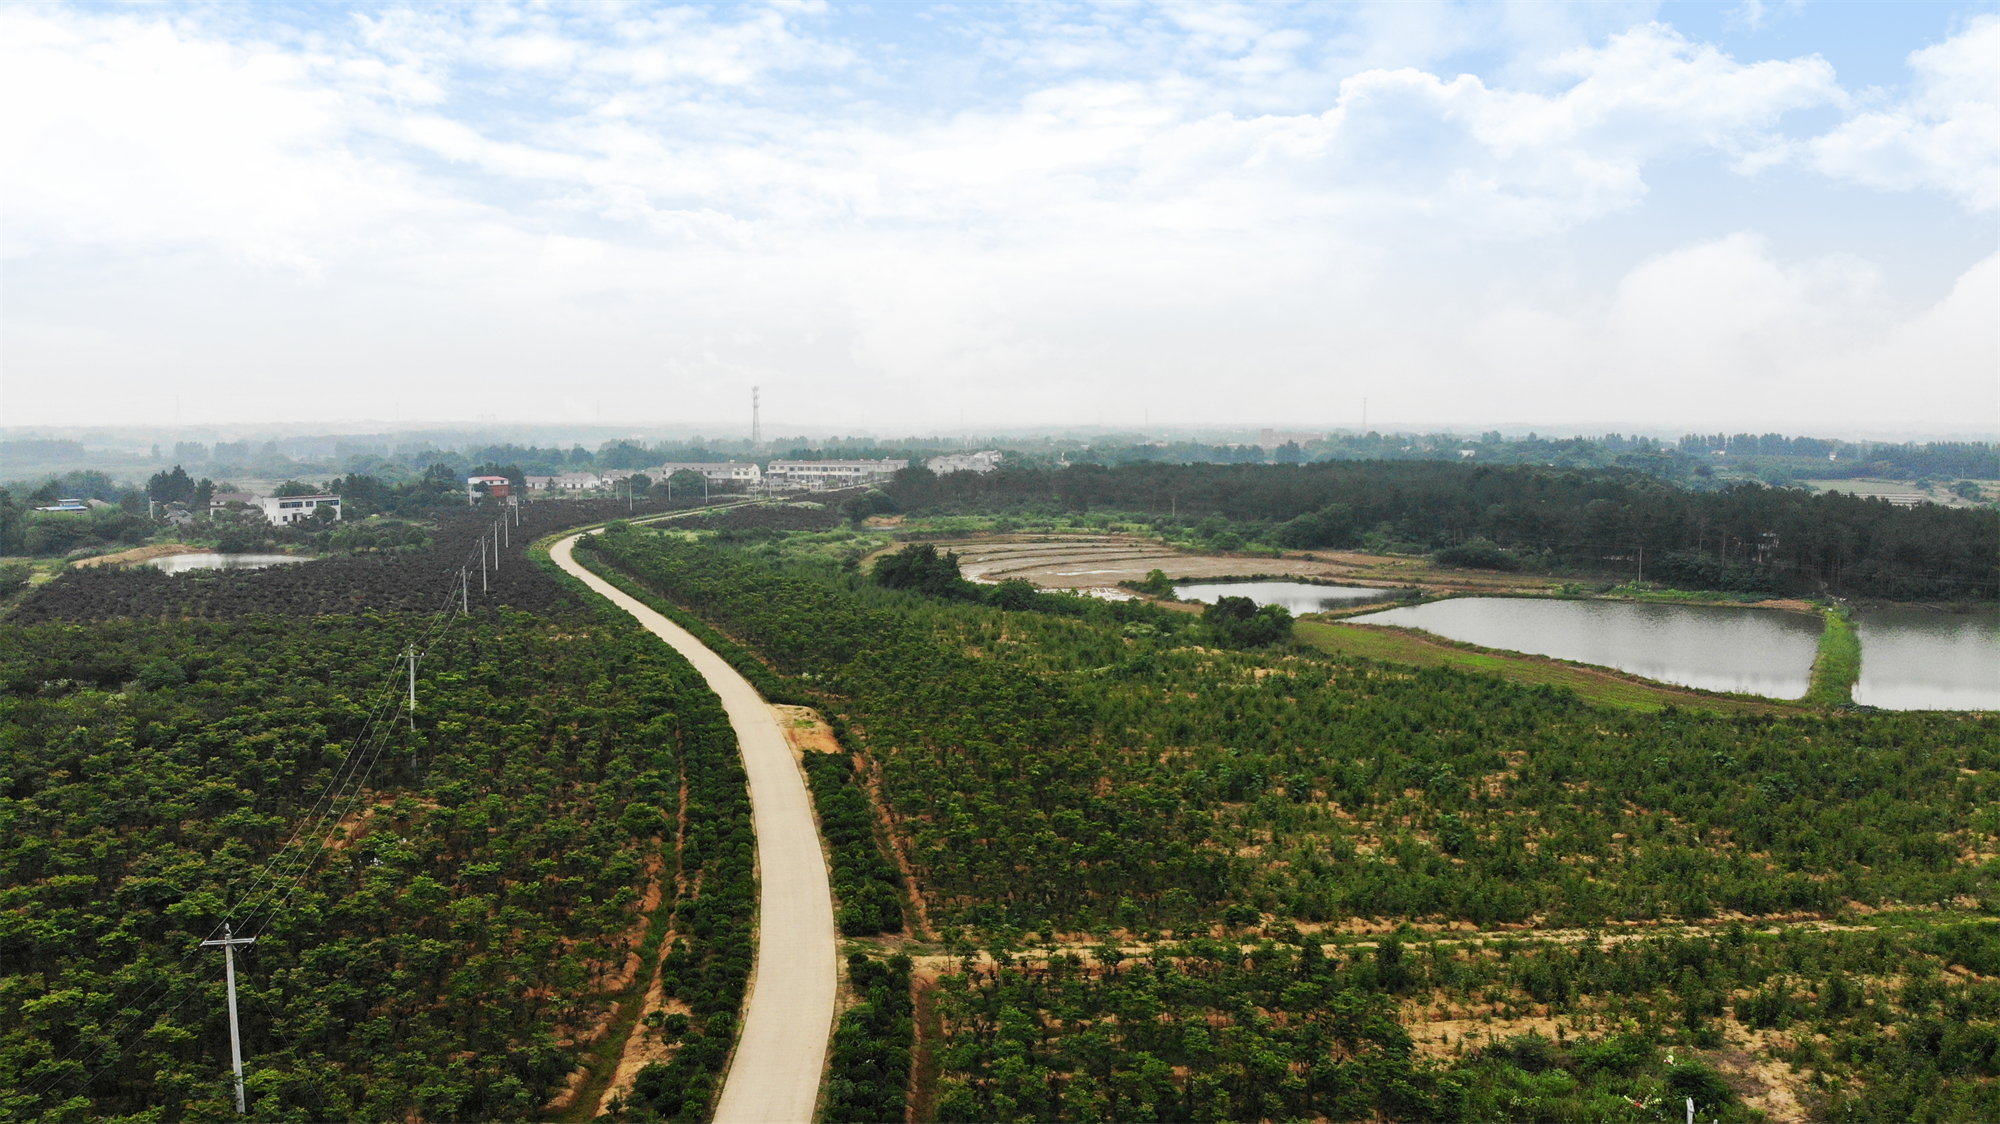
x: 1099, y: 562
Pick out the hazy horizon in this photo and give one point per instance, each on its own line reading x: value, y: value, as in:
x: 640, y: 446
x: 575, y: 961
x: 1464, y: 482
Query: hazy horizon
x: 995, y: 219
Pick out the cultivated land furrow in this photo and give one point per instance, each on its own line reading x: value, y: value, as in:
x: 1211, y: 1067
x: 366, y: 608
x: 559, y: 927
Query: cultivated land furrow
x: 775, y: 1073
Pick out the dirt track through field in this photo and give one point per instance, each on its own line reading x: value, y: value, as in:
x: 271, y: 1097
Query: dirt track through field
x: 776, y: 1071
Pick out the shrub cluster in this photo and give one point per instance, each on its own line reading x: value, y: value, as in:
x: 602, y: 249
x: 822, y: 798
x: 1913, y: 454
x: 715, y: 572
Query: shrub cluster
x: 1237, y: 622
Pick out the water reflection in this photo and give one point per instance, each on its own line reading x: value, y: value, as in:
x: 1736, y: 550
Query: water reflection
x: 1299, y: 597
x: 1912, y: 659
x: 182, y: 563
x: 1716, y: 648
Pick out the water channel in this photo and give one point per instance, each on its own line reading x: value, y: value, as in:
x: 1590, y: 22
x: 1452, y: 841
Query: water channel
x: 1299, y: 597
x: 1913, y: 659
x: 1717, y: 648
x: 183, y: 563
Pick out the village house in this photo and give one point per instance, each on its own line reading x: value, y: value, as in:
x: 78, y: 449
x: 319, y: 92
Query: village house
x: 280, y: 510
x: 964, y: 462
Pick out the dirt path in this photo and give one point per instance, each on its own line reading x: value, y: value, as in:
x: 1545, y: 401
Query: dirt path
x: 775, y: 1073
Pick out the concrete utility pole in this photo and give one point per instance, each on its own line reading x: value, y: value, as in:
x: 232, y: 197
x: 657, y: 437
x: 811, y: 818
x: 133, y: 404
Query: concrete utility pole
x: 464, y: 594
x: 411, y: 651
x: 482, y: 564
x: 228, y: 945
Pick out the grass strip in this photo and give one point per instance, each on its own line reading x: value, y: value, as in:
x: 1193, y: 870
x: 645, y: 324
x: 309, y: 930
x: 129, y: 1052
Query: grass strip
x: 1838, y: 664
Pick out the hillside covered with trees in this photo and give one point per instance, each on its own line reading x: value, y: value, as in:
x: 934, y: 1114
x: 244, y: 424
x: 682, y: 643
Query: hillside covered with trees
x: 1110, y: 771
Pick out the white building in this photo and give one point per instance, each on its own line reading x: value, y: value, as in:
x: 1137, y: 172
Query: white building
x: 578, y: 482
x: 964, y: 462
x: 818, y: 475
x: 281, y: 510
x: 716, y: 472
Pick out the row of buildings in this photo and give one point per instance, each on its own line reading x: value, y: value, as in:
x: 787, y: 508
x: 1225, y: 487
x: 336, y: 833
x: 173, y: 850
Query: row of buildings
x: 777, y: 475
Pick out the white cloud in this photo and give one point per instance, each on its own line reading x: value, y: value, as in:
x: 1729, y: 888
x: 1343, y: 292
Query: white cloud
x: 674, y: 198
x: 1727, y: 327
x: 1944, y: 137
x: 1757, y: 15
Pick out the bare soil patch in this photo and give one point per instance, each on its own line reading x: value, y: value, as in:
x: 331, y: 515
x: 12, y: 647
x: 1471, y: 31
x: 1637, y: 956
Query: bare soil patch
x: 805, y: 729
x: 139, y: 554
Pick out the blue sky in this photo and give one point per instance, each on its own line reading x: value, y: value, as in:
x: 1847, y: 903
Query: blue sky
x: 900, y: 217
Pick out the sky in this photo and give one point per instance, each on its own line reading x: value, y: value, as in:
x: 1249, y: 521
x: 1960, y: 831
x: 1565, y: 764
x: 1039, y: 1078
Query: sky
x: 904, y: 217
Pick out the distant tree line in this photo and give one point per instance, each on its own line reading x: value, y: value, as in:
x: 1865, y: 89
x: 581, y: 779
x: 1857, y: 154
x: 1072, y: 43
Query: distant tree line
x: 1743, y: 536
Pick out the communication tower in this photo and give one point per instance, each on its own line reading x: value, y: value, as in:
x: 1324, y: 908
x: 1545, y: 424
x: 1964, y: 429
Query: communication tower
x: 756, y: 427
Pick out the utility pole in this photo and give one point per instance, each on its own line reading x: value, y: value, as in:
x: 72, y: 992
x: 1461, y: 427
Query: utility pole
x: 228, y: 945
x: 482, y: 564
x: 464, y: 595
x: 411, y: 651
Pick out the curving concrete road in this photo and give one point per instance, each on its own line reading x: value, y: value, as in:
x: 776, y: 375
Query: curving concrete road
x: 775, y: 1074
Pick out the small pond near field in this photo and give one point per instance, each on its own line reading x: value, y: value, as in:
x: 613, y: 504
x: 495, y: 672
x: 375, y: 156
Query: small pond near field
x: 1716, y: 648
x: 182, y: 563
x: 1299, y: 597
x: 1912, y: 659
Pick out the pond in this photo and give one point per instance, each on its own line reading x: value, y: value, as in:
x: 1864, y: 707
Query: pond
x: 1913, y: 659
x: 1752, y: 651
x: 183, y: 563
x: 1299, y: 597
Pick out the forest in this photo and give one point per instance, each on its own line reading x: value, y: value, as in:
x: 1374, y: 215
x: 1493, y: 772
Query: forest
x: 1117, y: 774
x: 1743, y: 536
